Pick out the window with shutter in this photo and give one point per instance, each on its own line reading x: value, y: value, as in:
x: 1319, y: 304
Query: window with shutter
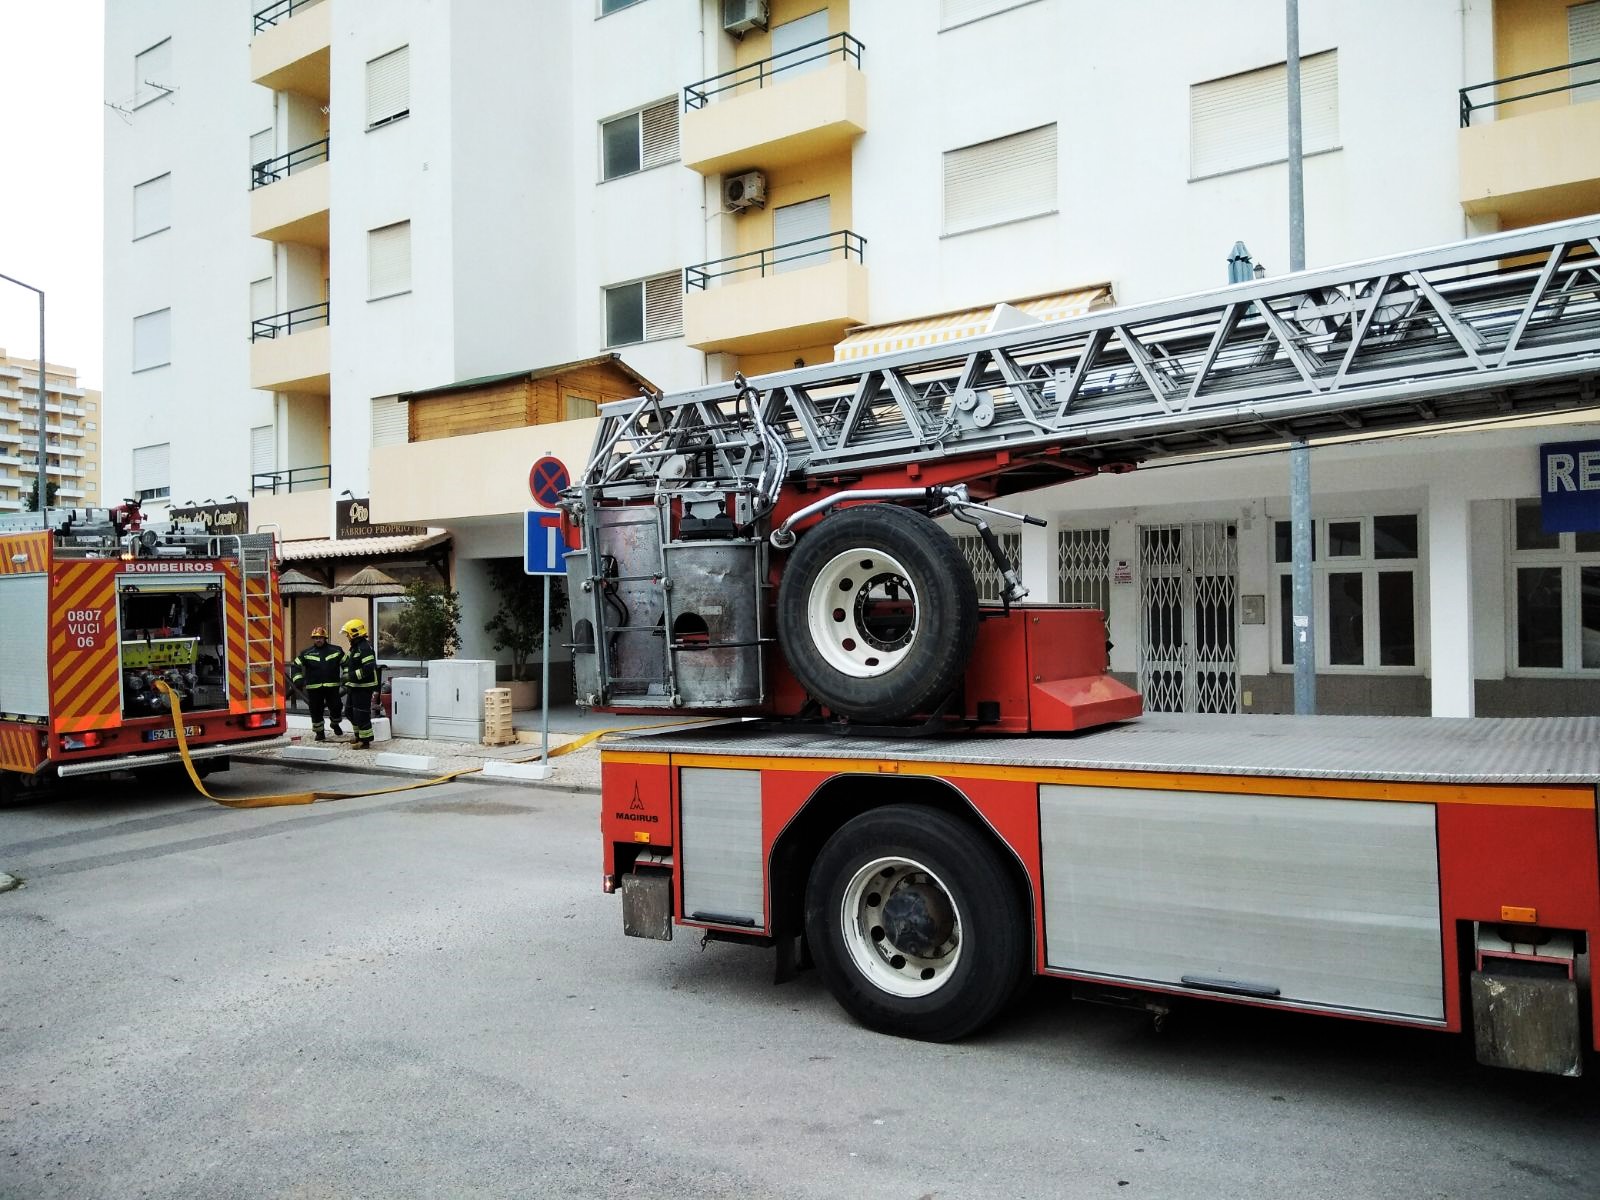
x: 647, y: 137
x: 152, y: 477
x: 263, y: 450
x: 263, y: 299
x: 663, y: 307
x: 1242, y: 121
x: 1001, y: 180
x: 390, y: 421
x: 624, y: 314
x: 959, y: 12
x: 389, y: 87
x: 152, y: 339
x: 261, y: 146
x: 389, y: 260
x: 152, y: 73
x: 619, y: 146
x: 152, y: 206
x: 659, y: 132
x: 792, y: 49
x: 1583, y: 42
x: 808, y: 224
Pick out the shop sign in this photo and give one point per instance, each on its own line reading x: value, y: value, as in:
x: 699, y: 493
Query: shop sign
x: 1569, y: 487
x: 353, y: 519
x: 217, y: 518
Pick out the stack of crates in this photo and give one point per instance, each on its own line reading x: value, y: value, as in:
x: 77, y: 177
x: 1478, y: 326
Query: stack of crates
x: 497, y: 729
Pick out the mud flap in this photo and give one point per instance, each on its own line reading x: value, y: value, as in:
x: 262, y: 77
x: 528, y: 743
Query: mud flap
x: 647, y: 905
x: 1527, y: 1022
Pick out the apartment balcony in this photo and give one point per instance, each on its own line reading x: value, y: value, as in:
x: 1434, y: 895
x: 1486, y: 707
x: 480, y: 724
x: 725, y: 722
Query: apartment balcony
x: 798, y: 294
x: 1538, y: 159
x: 289, y: 196
x: 290, y: 351
x: 805, y: 103
x: 290, y: 49
x: 296, y: 479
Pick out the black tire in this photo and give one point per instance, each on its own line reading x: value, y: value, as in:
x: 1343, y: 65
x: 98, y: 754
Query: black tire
x: 864, y: 658
x: 896, y: 971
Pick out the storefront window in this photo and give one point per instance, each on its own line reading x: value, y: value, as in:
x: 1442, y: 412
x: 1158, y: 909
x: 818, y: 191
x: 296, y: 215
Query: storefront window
x: 1555, y: 589
x: 1367, y: 615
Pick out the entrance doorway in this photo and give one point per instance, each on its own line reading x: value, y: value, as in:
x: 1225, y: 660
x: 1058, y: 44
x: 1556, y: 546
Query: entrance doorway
x: 1189, y: 591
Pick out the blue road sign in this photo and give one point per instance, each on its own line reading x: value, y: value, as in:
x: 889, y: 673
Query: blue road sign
x: 542, y: 544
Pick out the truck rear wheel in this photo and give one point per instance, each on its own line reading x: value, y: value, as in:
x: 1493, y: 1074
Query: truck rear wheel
x: 877, y: 612
x: 914, y: 924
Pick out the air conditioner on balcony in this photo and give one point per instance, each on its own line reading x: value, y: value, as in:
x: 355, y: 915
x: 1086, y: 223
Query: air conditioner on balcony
x: 748, y: 190
x: 740, y: 16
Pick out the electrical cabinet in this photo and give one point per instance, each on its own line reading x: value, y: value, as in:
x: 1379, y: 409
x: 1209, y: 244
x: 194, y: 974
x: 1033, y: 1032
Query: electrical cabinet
x: 455, y: 698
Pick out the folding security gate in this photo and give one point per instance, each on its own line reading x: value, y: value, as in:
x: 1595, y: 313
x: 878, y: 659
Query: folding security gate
x: 1189, y: 591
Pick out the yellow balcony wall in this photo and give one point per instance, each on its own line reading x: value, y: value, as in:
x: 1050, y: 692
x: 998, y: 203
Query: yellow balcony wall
x: 813, y: 114
x: 475, y: 475
x: 297, y: 362
x: 293, y: 516
x: 292, y: 56
x: 1531, y: 167
x: 797, y: 308
x: 294, y: 209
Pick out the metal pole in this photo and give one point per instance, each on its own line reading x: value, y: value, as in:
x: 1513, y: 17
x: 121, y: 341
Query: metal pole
x: 1304, y: 625
x: 40, y: 293
x: 544, y: 680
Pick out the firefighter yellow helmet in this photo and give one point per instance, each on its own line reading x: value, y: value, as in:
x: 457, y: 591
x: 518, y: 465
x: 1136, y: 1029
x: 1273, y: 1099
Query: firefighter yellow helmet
x: 353, y: 628
x: 319, y: 632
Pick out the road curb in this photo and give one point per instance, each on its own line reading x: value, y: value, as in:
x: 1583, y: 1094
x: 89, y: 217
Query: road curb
x: 397, y: 773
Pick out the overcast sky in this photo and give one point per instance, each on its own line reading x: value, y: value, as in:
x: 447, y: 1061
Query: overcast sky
x: 51, y: 135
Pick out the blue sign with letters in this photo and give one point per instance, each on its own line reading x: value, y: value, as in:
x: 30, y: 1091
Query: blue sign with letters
x: 542, y: 544
x: 1569, y: 487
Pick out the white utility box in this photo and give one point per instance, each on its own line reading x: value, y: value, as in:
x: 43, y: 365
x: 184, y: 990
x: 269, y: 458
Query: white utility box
x: 455, y: 697
x: 408, y: 707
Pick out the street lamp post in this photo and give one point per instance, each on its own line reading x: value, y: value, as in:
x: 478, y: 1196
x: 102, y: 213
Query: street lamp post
x: 42, y: 495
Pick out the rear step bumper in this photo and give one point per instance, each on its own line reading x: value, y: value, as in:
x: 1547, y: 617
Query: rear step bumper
x: 131, y: 762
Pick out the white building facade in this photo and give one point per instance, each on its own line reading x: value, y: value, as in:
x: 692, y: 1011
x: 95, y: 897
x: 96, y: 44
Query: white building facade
x: 316, y: 208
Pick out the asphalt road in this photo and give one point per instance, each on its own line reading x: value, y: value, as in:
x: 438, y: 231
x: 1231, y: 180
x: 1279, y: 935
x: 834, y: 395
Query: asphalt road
x: 426, y: 994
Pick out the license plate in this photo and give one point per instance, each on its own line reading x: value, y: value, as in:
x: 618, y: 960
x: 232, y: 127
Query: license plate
x: 164, y: 733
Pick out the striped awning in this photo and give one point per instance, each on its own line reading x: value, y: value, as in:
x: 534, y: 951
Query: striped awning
x: 947, y: 327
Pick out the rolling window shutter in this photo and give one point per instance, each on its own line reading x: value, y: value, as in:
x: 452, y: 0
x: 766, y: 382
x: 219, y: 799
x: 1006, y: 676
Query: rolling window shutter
x: 663, y: 307
x: 262, y: 299
x: 390, y: 425
x: 389, y: 260
x: 152, y: 339
x: 791, y: 35
x: 660, y: 131
x: 1583, y: 41
x: 1242, y: 121
x: 261, y: 147
x: 152, y: 206
x: 263, y: 450
x: 153, y: 66
x: 799, y: 223
x: 151, y: 468
x: 389, y: 86
x: 1001, y: 180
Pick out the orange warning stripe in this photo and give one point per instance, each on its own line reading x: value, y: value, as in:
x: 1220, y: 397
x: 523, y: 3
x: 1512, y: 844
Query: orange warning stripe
x: 24, y: 553
x: 19, y: 748
x: 85, y: 690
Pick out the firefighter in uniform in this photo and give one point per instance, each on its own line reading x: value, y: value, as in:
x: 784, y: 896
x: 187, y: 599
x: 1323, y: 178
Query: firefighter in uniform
x: 360, y: 680
x: 317, y: 671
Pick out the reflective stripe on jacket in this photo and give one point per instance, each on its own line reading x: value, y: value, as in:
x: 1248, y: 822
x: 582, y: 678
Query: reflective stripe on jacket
x: 361, y: 666
x: 317, y: 668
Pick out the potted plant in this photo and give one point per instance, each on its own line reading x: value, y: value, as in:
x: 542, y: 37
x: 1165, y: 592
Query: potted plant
x: 517, y: 626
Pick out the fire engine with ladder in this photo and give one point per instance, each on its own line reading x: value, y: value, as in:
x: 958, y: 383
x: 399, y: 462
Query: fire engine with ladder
x: 932, y: 800
x: 98, y: 608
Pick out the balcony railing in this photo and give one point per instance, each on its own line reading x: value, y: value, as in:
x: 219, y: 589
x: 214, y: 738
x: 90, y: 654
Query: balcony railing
x: 842, y: 46
x: 270, y: 170
x: 281, y: 11
x: 790, y: 256
x: 295, y: 479
x: 312, y: 316
x: 1470, y: 106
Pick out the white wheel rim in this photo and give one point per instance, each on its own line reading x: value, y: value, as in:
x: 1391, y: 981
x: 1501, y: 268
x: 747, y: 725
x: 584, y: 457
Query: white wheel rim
x: 863, y: 613
x: 901, y: 927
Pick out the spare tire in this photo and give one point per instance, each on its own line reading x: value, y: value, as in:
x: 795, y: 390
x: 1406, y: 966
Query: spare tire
x: 877, y: 612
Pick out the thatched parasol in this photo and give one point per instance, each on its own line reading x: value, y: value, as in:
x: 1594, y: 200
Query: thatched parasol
x: 298, y: 583
x: 369, y: 581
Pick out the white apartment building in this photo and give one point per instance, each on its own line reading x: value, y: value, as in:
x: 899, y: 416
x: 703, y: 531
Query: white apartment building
x: 72, y: 435
x: 316, y: 208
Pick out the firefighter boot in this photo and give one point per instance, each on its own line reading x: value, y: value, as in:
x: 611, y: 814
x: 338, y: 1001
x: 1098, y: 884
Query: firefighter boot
x: 361, y: 744
x: 321, y: 737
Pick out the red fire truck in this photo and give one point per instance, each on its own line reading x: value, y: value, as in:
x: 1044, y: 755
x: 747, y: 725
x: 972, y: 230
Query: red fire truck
x: 98, y: 608
x: 907, y: 796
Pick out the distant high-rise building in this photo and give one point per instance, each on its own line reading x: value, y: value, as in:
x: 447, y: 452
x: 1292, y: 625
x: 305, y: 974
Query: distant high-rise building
x: 73, y: 435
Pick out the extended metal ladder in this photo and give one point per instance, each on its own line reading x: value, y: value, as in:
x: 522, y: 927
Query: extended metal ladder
x: 1499, y: 326
x: 255, y: 589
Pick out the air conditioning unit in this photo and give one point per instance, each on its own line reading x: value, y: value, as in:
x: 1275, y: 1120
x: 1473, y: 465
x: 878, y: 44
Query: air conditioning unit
x: 748, y: 190
x: 741, y: 16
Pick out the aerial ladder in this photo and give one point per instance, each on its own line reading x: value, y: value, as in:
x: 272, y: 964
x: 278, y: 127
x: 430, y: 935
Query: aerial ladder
x: 796, y: 512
